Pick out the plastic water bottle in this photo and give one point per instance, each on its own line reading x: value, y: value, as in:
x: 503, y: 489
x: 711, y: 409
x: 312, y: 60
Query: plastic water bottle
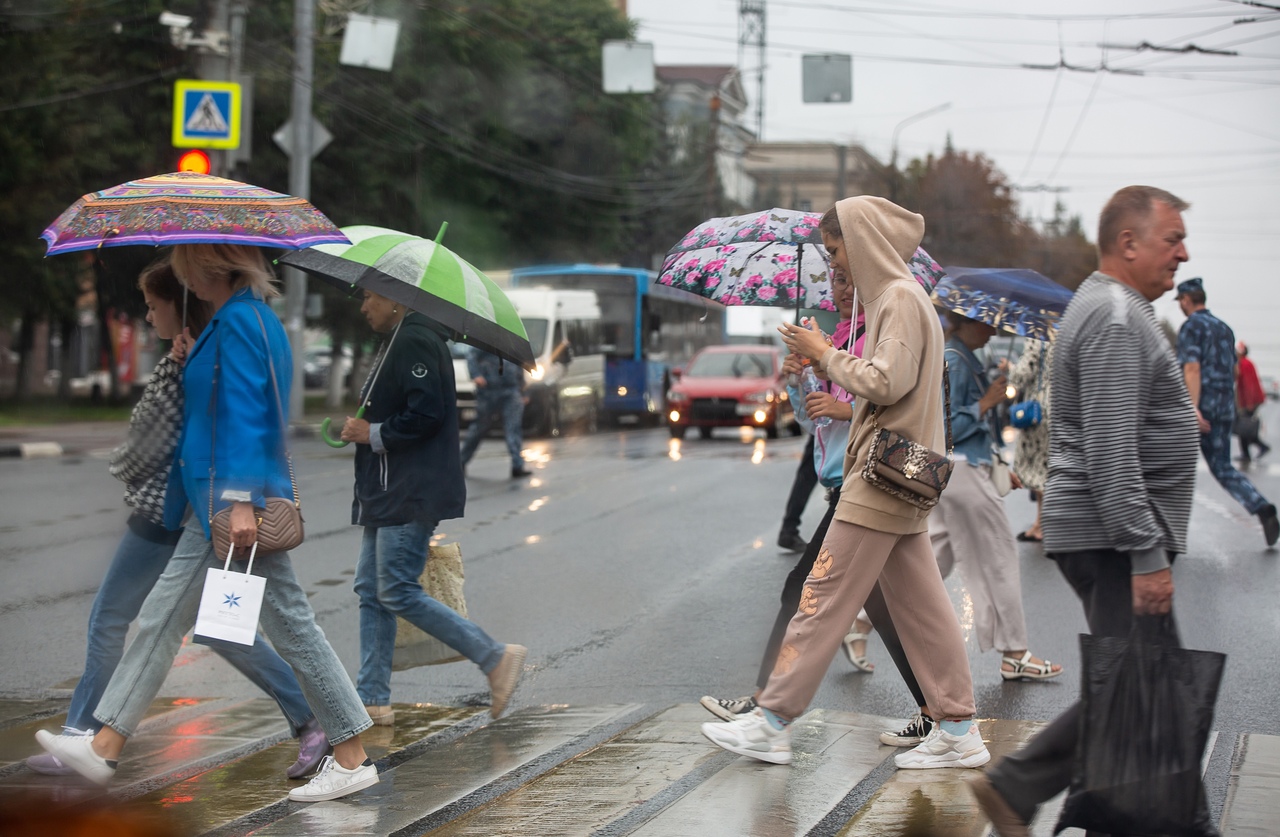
x: 809, y: 383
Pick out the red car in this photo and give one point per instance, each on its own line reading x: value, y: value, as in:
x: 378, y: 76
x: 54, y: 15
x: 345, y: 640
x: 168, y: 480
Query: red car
x: 731, y: 386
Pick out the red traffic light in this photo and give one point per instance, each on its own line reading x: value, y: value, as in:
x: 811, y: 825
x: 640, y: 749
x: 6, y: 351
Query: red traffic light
x: 194, y: 160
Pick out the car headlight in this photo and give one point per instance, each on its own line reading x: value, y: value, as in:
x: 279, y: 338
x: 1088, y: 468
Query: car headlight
x: 537, y: 373
x: 763, y: 397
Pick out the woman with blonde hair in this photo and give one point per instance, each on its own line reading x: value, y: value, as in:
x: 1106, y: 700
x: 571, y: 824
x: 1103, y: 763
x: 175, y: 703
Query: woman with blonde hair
x: 142, y: 463
x: 231, y: 455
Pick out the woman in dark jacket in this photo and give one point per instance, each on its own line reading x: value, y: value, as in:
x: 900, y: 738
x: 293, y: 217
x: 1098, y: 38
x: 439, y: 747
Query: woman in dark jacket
x: 408, y: 479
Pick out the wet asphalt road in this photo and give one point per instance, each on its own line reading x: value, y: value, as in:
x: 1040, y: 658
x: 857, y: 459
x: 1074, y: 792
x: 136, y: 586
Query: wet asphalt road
x: 635, y: 568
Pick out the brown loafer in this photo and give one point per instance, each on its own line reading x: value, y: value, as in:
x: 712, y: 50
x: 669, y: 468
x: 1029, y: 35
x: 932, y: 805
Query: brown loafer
x: 504, y: 677
x: 1004, y: 821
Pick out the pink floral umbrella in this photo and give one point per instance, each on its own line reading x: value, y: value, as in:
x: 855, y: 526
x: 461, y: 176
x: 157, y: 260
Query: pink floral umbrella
x: 773, y: 258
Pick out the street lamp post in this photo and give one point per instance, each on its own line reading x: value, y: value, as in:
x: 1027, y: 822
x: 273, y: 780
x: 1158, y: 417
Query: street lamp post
x: 893, y: 156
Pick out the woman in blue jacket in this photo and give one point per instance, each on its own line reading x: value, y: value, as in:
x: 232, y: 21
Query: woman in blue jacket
x: 408, y: 479
x: 969, y: 527
x: 232, y: 390
x: 142, y: 463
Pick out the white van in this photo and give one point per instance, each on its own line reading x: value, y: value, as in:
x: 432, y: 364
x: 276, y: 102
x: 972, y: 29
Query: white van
x: 567, y: 385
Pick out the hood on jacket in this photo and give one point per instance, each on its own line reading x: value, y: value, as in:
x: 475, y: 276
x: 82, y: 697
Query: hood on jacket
x: 879, y: 238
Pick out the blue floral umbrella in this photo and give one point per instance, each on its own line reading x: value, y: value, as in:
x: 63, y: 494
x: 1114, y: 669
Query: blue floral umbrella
x: 1014, y: 300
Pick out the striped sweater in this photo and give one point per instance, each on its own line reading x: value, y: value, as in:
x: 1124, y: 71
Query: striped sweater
x: 1123, y: 442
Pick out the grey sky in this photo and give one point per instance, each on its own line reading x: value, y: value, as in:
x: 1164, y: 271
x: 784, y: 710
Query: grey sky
x: 1205, y: 127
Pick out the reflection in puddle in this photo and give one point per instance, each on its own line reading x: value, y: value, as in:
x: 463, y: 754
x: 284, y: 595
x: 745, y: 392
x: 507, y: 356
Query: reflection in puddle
x: 673, y: 450
x: 757, y: 453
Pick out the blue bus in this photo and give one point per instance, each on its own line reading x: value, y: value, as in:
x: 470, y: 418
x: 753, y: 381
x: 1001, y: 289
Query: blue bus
x: 645, y: 330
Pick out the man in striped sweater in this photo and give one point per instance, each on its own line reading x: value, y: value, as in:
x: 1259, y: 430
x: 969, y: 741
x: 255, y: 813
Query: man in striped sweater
x: 1122, y: 459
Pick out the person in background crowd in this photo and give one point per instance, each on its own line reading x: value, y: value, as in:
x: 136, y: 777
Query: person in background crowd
x: 499, y: 394
x: 1206, y: 350
x: 1249, y: 397
x: 1031, y: 376
x: 408, y: 479
x: 1120, y: 408
x: 969, y: 528
x: 806, y: 479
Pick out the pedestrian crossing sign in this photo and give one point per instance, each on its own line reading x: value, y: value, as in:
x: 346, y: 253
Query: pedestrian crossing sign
x: 206, y: 114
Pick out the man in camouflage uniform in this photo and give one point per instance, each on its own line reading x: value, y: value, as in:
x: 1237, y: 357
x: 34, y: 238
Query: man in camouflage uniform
x: 1206, y: 350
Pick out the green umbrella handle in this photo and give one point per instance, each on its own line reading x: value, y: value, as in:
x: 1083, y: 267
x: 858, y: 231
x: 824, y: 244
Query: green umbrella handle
x: 324, y: 431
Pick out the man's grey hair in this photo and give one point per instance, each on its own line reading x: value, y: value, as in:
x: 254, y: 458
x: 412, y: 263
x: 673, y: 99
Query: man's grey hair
x: 1131, y: 209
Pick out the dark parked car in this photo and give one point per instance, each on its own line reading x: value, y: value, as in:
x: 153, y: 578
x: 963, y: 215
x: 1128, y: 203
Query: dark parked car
x: 731, y: 386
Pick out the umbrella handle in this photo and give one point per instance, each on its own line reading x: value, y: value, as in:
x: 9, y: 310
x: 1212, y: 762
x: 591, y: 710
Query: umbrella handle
x: 329, y: 440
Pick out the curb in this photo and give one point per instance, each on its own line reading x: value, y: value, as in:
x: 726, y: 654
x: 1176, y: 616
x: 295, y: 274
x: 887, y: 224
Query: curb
x: 32, y: 450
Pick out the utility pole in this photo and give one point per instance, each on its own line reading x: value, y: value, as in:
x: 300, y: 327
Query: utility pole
x: 304, y: 25
x: 712, y: 148
x: 751, y: 34
x: 212, y: 64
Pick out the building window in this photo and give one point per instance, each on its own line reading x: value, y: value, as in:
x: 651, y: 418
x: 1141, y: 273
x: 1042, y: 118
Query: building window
x: 805, y: 206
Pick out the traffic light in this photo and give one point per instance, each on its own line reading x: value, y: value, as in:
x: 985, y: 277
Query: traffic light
x: 194, y: 160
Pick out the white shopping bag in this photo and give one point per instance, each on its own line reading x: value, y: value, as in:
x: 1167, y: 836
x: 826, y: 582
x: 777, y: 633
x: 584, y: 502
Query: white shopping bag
x: 231, y: 602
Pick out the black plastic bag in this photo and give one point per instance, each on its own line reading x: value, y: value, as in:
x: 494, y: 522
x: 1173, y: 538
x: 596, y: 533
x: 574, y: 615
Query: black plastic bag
x: 1146, y: 711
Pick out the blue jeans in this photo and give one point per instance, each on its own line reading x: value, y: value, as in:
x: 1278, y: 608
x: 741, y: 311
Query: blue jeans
x: 391, y: 562
x: 170, y: 611
x: 1216, y: 446
x: 490, y: 404
x: 138, y: 562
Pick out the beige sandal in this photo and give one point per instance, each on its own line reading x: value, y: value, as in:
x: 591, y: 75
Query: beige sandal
x: 858, y: 661
x: 1024, y: 669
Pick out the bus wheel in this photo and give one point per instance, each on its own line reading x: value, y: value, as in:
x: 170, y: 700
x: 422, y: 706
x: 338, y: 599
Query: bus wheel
x: 677, y: 430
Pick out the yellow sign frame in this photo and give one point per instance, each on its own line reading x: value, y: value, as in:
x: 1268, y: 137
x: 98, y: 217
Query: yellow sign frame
x: 182, y: 90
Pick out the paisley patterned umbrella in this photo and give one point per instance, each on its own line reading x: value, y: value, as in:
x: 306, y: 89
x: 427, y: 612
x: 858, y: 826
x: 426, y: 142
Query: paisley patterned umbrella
x: 773, y: 258
x: 1014, y: 300
x: 188, y: 208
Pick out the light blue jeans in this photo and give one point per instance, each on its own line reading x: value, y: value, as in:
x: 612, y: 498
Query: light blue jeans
x: 137, y: 564
x: 170, y: 611
x: 391, y: 562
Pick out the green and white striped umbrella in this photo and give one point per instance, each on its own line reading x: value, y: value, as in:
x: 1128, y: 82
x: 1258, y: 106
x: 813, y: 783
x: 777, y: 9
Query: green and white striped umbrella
x: 426, y: 277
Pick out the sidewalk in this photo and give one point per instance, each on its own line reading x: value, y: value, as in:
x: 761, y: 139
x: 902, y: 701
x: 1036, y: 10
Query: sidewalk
x: 73, y: 438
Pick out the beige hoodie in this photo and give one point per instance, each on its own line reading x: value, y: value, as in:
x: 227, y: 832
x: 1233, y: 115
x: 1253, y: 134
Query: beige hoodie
x: 901, y: 364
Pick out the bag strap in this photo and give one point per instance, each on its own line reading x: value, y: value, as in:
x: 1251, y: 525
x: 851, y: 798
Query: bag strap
x: 213, y: 409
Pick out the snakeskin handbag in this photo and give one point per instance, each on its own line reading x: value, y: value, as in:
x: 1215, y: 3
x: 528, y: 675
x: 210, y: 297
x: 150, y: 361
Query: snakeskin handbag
x: 280, y: 520
x: 906, y: 469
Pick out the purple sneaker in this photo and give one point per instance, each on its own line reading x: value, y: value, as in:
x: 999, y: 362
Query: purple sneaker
x: 313, y: 746
x: 48, y: 764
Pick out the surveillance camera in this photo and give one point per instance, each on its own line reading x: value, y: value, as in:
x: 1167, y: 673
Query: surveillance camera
x: 175, y: 21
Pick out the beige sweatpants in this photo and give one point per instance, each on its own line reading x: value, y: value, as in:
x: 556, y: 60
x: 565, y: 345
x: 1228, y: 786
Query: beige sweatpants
x: 969, y: 529
x: 847, y: 566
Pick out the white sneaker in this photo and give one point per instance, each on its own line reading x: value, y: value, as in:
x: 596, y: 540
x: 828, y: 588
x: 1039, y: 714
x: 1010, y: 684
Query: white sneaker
x: 752, y: 735
x: 76, y: 752
x: 333, y: 781
x: 942, y: 749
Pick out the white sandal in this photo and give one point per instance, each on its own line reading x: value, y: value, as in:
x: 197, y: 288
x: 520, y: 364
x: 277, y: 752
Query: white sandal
x: 861, y: 663
x: 1024, y: 669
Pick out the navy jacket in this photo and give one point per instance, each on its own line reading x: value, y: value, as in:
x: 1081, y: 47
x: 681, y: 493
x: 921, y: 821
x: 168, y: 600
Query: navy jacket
x: 249, y: 463
x: 411, y: 471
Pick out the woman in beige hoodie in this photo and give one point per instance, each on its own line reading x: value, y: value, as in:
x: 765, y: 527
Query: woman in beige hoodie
x: 874, y: 534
